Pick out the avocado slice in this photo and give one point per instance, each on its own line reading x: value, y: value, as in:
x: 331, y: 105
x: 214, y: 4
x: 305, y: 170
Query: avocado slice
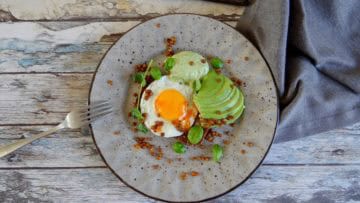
x: 236, y: 115
x: 227, y: 111
x: 211, y: 84
x: 223, y: 104
x: 218, y: 98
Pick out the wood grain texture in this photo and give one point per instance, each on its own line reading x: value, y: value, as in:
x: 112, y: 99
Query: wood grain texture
x: 58, y: 46
x: 45, y: 69
x: 339, y: 146
x: 41, y: 98
x: 268, y: 184
x: 110, y: 9
x: 66, y: 148
x: 75, y: 148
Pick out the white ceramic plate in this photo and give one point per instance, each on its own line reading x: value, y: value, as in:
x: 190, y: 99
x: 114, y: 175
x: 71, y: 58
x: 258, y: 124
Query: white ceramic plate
x: 252, y: 134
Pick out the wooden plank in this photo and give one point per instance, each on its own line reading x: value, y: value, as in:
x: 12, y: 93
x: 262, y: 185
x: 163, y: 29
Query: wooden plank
x: 110, y: 9
x: 41, y: 98
x: 269, y: 183
x: 66, y: 148
x: 340, y: 146
x: 74, y: 148
x: 58, y: 46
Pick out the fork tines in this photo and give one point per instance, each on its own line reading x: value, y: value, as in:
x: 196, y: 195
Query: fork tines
x: 96, y: 110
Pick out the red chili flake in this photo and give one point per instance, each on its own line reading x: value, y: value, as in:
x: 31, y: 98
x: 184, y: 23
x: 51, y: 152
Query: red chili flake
x: 129, y: 114
x: 218, y: 112
x: 134, y: 123
x: 157, y: 126
x: 135, y: 95
x: 162, y: 134
x: 169, y: 51
x: 232, y: 124
x: 191, y: 63
x: 246, y: 58
x: 144, y: 115
x: 116, y: 133
x: 230, y: 117
x: 157, y: 25
x: 171, y: 41
x: 203, y: 61
x: 143, y: 143
x: 148, y: 94
x: 110, y: 83
x: 141, y: 67
x: 229, y: 61
x: 250, y: 144
x: 200, y: 158
x: 156, y: 166
x: 226, y: 142
x: 218, y: 71
x: 238, y: 82
x: 218, y: 80
x: 243, y: 151
x: 183, y: 138
x: 149, y: 79
x: 194, y: 173
x: 183, y: 176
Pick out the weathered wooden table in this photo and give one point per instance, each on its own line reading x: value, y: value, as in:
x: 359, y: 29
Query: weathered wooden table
x: 48, y: 53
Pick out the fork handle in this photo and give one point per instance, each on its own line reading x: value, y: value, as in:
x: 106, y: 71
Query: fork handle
x: 7, y: 149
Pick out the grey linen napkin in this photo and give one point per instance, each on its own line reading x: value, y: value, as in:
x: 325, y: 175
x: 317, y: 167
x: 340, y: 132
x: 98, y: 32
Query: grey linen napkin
x: 313, y: 50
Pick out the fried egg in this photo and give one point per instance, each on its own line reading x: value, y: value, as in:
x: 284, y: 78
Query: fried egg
x: 168, y: 107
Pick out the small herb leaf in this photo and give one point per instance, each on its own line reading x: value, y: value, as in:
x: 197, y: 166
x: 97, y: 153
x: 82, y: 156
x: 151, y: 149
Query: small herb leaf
x: 217, y: 63
x: 142, y: 128
x: 155, y: 73
x: 217, y: 152
x: 169, y: 63
x: 195, y: 134
x: 139, y: 78
x: 179, y: 148
x: 135, y: 113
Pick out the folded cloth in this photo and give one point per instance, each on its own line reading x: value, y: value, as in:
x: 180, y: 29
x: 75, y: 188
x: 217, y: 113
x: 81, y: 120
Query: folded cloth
x: 313, y: 50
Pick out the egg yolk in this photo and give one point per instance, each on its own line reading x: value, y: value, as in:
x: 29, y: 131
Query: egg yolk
x: 170, y: 104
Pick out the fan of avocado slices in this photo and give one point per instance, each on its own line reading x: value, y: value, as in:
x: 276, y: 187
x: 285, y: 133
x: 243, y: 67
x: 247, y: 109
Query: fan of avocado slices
x: 216, y: 97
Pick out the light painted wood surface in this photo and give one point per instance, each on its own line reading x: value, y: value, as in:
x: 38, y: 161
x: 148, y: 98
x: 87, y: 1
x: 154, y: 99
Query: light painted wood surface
x: 111, y: 9
x: 268, y: 184
x: 46, y: 67
x: 58, y: 46
x: 75, y: 148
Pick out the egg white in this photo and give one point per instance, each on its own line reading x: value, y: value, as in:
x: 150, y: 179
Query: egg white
x: 148, y: 106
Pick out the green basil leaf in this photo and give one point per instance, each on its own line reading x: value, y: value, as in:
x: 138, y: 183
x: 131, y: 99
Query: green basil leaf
x: 217, y: 63
x: 139, y: 78
x: 217, y: 152
x: 142, y: 128
x: 179, y: 148
x: 155, y: 73
x: 195, y: 134
x: 169, y: 63
x: 135, y: 113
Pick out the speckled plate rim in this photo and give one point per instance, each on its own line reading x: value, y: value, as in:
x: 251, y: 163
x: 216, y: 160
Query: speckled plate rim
x: 219, y: 195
